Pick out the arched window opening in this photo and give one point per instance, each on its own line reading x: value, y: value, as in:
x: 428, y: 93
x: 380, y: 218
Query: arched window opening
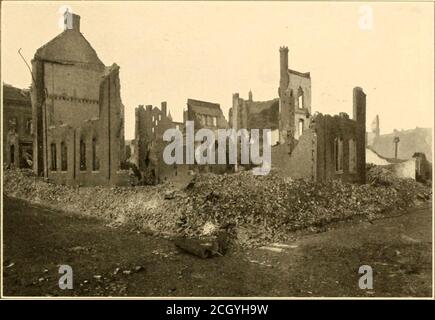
x: 53, y: 157
x: 301, y: 98
x: 300, y: 127
x: 63, y: 156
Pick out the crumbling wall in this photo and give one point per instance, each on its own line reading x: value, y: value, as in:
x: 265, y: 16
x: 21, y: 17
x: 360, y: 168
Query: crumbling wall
x: 423, y: 167
x: 330, y: 129
x: 349, y: 134
x: 254, y: 114
x: 292, y: 109
x: 150, y: 125
x: 301, y: 162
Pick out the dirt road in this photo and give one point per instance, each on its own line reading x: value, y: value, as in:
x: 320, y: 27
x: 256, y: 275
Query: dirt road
x: 121, y: 262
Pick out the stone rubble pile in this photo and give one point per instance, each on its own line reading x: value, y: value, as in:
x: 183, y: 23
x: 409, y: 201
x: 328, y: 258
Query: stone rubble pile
x: 263, y: 209
x: 253, y: 210
x: 142, y: 207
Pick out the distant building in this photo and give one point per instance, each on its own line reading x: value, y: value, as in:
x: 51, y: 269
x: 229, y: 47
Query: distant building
x: 410, y: 142
x: 17, y: 127
x: 78, y: 114
x: 150, y: 125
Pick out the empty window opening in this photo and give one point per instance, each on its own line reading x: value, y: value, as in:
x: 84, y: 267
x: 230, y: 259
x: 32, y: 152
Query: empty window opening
x: 82, y: 155
x: 352, y: 156
x: 300, y: 127
x: 95, y: 160
x: 63, y: 157
x: 12, y: 153
x: 29, y: 126
x: 53, y: 157
x: 301, y: 98
x: 338, y: 155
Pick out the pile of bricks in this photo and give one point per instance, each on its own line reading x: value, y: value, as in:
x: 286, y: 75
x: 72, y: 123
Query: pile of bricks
x: 252, y: 210
x: 263, y: 209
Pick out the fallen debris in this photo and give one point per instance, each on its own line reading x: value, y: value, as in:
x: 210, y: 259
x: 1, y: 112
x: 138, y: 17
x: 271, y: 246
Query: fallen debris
x: 252, y: 210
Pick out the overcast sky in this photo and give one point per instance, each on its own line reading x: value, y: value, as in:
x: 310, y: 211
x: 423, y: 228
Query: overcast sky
x: 208, y: 51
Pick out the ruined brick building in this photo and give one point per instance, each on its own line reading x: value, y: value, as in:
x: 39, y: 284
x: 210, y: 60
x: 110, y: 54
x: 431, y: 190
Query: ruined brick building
x: 150, y: 125
x: 318, y: 147
x: 78, y: 114
x: 148, y: 144
x: 17, y: 127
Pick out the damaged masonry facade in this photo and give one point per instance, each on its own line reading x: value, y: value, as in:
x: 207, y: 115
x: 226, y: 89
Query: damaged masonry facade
x: 77, y: 112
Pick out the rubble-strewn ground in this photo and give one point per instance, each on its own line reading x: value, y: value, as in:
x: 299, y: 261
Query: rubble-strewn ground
x: 122, y: 262
x: 255, y: 210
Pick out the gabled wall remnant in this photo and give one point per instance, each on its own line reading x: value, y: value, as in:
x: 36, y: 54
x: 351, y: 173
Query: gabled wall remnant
x: 77, y: 112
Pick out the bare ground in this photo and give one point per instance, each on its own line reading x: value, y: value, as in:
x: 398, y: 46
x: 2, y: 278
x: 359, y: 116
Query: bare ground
x: 122, y: 262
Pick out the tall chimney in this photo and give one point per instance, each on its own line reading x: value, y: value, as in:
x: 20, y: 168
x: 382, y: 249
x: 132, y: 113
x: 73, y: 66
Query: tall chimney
x: 359, y: 115
x: 71, y: 21
x: 377, y: 127
x: 359, y: 105
x: 283, y: 63
x: 164, y: 107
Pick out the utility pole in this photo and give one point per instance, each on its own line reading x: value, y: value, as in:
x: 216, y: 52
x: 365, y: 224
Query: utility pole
x: 396, y: 145
x: 235, y: 119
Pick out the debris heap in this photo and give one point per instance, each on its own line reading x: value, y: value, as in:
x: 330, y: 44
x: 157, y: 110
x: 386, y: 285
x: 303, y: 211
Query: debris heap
x: 263, y: 209
x: 253, y: 210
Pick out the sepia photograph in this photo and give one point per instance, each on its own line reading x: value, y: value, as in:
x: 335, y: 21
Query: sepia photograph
x: 217, y: 149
